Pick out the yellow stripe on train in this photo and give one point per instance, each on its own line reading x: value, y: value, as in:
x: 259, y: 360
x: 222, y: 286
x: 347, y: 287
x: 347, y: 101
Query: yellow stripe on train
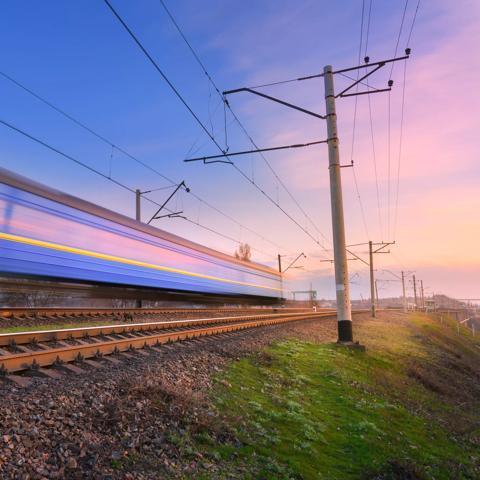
x: 127, y: 261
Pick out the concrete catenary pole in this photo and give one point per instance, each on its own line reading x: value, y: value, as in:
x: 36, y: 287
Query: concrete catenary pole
x: 376, y: 292
x: 138, y: 196
x: 342, y: 288
x: 404, y: 296
x: 415, y: 291
x: 281, y: 277
x: 372, y: 281
x: 138, y: 199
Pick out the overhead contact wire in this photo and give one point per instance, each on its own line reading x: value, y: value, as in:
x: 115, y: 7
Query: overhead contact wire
x: 362, y: 210
x: 240, y: 124
x: 116, y: 182
x: 197, y: 119
x: 402, y: 123
x: 371, y: 127
x: 402, y: 114
x: 398, y: 37
x: 129, y: 155
x: 389, y: 203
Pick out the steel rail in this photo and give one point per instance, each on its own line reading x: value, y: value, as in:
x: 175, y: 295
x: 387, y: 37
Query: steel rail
x: 23, y: 338
x: 60, y: 312
x: 16, y: 362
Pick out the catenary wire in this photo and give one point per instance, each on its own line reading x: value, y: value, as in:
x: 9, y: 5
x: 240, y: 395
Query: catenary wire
x: 362, y: 210
x: 401, y: 122
x: 116, y: 182
x: 374, y: 158
x: 204, y: 128
x: 368, y: 27
x: 398, y: 38
x: 127, y: 154
x: 402, y: 116
x: 355, y: 79
x: 240, y: 124
x: 413, y: 23
x: 389, y: 181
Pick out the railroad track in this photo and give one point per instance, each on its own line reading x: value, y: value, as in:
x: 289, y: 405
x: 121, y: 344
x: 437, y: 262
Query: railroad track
x: 17, y: 313
x: 35, y: 350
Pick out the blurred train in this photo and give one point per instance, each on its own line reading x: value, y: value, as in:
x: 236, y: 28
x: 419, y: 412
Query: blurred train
x: 47, y: 234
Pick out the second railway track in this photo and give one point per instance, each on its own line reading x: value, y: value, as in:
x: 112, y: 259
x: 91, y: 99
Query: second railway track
x: 34, y: 350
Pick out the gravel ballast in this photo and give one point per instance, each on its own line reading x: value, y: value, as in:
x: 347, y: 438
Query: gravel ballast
x: 118, y: 420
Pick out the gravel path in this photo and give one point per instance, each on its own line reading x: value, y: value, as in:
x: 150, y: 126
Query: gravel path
x: 87, y: 425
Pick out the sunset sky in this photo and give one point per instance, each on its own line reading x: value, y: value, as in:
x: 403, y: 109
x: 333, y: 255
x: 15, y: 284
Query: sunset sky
x: 77, y: 56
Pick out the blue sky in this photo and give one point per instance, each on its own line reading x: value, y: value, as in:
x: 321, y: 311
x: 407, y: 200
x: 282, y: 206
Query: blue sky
x: 76, y: 55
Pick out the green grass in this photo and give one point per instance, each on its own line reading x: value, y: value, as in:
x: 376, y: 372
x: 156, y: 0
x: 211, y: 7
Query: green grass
x: 318, y: 411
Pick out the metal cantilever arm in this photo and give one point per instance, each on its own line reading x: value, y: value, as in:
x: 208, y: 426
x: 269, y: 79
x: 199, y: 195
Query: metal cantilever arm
x: 343, y: 92
x: 277, y: 100
x: 292, y: 263
x: 172, y: 214
x: 383, y: 245
x: 256, y: 150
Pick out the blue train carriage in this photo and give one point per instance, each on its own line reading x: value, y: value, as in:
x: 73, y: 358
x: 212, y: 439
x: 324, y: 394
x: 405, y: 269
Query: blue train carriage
x: 49, y: 234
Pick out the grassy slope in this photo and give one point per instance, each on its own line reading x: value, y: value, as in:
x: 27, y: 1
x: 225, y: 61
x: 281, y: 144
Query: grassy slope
x: 406, y: 408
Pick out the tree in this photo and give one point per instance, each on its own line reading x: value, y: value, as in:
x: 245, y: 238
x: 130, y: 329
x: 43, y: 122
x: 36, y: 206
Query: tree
x: 243, y: 252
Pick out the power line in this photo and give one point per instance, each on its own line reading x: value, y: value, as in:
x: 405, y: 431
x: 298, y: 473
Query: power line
x: 291, y: 80
x: 402, y: 114
x: 413, y: 23
x: 116, y: 182
x: 389, y: 163
x: 197, y: 119
x: 240, y: 124
x: 356, y: 79
x: 368, y: 26
x: 272, y: 84
x: 374, y: 156
x: 162, y: 74
x: 398, y: 37
x: 85, y: 127
x: 362, y: 210
x: 129, y: 155
x: 389, y: 181
x: 59, y: 152
x: 209, y: 205
x: 402, y: 121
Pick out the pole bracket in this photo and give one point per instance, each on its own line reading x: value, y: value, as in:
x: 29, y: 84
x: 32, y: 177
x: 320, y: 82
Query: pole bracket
x: 276, y: 100
x: 171, y: 214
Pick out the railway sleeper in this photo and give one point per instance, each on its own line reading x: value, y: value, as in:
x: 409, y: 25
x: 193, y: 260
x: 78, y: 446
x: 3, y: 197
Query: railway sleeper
x: 90, y: 352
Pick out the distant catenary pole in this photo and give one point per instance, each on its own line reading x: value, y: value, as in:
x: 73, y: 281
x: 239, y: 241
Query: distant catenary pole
x: 372, y: 281
x: 138, y: 199
x: 422, y: 293
x: 404, y: 296
x: 415, y: 291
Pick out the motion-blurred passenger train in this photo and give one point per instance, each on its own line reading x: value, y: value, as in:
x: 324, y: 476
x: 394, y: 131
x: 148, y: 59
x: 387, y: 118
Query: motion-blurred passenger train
x: 48, y: 234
